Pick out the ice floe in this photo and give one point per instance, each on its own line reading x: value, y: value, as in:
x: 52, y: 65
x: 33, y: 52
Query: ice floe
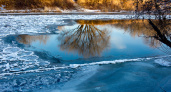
x: 15, y: 59
x: 163, y: 62
x: 157, y: 60
x: 31, y: 82
x: 11, y: 50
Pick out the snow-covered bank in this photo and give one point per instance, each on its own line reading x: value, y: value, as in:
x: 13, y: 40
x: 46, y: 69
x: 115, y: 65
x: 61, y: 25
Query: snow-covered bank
x: 67, y: 13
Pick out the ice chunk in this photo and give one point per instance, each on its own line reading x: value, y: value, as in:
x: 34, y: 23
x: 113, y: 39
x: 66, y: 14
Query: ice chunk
x: 1, y: 55
x: 9, y: 57
x: 44, y: 63
x: 7, y: 66
x: 15, y: 69
x: 24, y: 53
x: 29, y: 62
x: 11, y: 50
x: 29, y: 58
x: 162, y: 62
x: 107, y: 62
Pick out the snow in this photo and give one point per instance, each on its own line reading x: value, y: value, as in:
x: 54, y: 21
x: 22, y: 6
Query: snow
x: 88, y: 10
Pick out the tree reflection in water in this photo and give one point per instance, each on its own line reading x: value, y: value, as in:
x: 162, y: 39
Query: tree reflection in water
x: 159, y: 38
x: 86, y: 39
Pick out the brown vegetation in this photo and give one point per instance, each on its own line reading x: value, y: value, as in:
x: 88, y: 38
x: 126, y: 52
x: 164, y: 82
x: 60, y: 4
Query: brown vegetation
x: 107, y: 5
x: 158, y: 7
x: 35, y: 4
x: 103, y: 5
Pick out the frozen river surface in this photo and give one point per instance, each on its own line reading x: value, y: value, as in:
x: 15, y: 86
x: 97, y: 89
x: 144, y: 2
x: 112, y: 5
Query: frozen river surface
x: 81, y: 53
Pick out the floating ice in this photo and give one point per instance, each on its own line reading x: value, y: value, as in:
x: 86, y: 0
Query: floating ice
x: 107, y: 62
x: 29, y: 62
x: 159, y: 61
x: 15, y: 69
x: 25, y: 53
x: 19, y: 68
x: 7, y: 66
x: 162, y: 62
x: 29, y: 82
x: 44, y: 63
x: 15, y: 59
x: 28, y: 58
x: 11, y: 50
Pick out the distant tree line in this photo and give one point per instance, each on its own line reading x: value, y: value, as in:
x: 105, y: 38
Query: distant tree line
x: 107, y: 5
x: 143, y: 6
x: 154, y: 7
x: 34, y: 4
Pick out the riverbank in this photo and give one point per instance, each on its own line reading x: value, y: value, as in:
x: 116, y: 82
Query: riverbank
x: 70, y: 13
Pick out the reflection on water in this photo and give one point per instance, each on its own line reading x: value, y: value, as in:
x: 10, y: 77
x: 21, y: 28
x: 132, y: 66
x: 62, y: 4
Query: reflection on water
x: 161, y: 37
x: 28, y: 39
x: 86, y: 38
x: 92, y: 37
x: 117, y: 41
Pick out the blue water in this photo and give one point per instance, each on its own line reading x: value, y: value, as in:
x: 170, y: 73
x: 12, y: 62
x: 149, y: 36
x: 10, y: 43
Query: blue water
x: 79, y: 57
x: 120, y: 44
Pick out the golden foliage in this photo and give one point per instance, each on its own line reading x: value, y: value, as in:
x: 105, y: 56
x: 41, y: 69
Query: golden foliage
x: 103, y: 5
x: 97, y: 22
x: 107, y: 5
x: 33, y: 4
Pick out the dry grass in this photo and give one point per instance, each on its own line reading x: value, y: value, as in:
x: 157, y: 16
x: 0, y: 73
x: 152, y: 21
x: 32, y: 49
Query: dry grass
x: 107, y: 5
x: 34, y: 4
